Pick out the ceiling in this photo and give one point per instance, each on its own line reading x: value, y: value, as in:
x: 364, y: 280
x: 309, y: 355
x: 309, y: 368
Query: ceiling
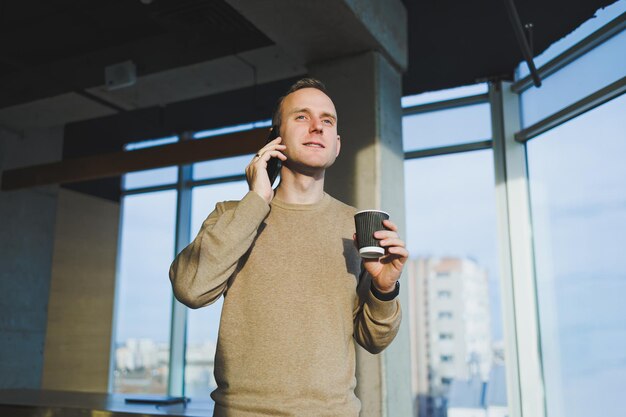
x: 50, y: 47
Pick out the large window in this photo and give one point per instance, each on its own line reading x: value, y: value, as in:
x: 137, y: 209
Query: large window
x: 455, y: 319
x: 143, y: 301
x: 578, y: 190
x: 576, y: 183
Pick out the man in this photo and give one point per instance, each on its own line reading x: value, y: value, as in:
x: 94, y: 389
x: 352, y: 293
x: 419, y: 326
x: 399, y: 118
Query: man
x: 296, y: 293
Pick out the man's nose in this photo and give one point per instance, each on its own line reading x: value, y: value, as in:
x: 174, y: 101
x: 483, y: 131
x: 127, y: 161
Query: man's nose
x: 316, y: 125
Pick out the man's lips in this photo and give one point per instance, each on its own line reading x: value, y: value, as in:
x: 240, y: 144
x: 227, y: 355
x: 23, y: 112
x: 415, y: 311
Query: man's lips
x: 314, y: 144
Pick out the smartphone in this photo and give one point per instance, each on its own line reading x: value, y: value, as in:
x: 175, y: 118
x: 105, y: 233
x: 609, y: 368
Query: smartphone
x: 274, y: 164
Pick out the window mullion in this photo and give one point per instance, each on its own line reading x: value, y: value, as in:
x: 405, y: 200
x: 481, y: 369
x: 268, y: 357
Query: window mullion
x: 518, y: 289
x: 178, y: 325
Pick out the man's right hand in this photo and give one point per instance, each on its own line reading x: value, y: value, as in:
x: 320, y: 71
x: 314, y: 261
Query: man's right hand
x: 256, y: 171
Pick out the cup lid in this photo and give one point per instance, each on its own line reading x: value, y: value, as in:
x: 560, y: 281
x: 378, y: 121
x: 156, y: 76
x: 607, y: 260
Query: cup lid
x: 364, y: 211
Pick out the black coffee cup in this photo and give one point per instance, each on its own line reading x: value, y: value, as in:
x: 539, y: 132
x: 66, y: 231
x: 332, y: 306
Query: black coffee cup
x: 367, y: 222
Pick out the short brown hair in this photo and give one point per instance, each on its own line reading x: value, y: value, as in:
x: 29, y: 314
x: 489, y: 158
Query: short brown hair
x: 298, y: 85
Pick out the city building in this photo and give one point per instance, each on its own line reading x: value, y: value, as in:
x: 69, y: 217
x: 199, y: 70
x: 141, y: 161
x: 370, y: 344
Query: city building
x: 451, y: 324
x: 477, y: 398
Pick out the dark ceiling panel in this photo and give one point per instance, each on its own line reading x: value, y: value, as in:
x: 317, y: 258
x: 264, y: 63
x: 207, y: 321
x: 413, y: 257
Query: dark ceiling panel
x: 51, y: 47
x: 48, y: 47
x: 51, y: 31
x: 454, y: 43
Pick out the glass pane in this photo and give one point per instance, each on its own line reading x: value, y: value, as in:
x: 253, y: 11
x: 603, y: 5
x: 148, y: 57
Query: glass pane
x: 447, y: 127
x: 231, y: 129
x: 218, y: 168
x: 456, y: 327
x: 150, y: 177
x: 447, y: 94
x: 150, y: 143
x: 202, y: 324
x: 144, y: 296
x: 578, y: 191
x: 589, y: 73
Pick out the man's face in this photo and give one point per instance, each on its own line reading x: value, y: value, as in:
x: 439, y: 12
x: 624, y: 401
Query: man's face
x: 309, y: 130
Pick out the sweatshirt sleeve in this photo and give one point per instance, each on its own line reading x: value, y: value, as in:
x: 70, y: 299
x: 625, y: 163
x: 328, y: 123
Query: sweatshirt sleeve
x: 376, y: 322
x: 200, y: 272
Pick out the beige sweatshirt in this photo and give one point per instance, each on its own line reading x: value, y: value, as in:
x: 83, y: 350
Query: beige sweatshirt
x: 293, y: 306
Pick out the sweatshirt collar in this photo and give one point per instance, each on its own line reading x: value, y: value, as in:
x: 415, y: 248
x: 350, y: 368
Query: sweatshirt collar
x: 276, y: 202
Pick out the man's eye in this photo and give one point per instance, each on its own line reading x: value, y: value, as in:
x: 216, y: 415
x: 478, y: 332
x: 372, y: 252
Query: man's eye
x: 300, y: 117
x: 328, y: 122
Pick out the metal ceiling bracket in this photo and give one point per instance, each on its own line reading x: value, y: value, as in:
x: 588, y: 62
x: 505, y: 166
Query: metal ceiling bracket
x: 528, y: 28
x: 523, y: 41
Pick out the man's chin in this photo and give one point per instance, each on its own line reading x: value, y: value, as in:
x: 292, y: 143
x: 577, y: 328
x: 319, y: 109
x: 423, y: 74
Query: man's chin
x: 310, y: 170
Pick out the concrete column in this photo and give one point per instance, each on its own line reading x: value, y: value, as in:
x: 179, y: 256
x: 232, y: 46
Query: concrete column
x: 369, y: 172
x: 27, y: 219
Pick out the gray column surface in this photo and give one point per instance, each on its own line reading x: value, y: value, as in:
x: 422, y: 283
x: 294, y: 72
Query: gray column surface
x: 27, y: 219
x: 317, y: 31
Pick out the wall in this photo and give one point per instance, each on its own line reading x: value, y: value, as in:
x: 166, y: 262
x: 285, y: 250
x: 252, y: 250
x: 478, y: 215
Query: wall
x: 78, y: 337
x: 27, y: 220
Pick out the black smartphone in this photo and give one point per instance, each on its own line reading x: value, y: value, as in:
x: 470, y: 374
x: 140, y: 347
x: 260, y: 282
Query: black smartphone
x: 274, y: 164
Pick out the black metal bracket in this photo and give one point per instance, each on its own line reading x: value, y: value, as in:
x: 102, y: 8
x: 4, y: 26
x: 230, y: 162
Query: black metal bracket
x: 523, y: 41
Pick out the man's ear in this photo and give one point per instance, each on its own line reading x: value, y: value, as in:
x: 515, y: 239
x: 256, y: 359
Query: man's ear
x: 338, y: 145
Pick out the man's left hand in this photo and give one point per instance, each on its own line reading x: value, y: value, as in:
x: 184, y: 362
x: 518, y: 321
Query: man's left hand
x: 386, y: 270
